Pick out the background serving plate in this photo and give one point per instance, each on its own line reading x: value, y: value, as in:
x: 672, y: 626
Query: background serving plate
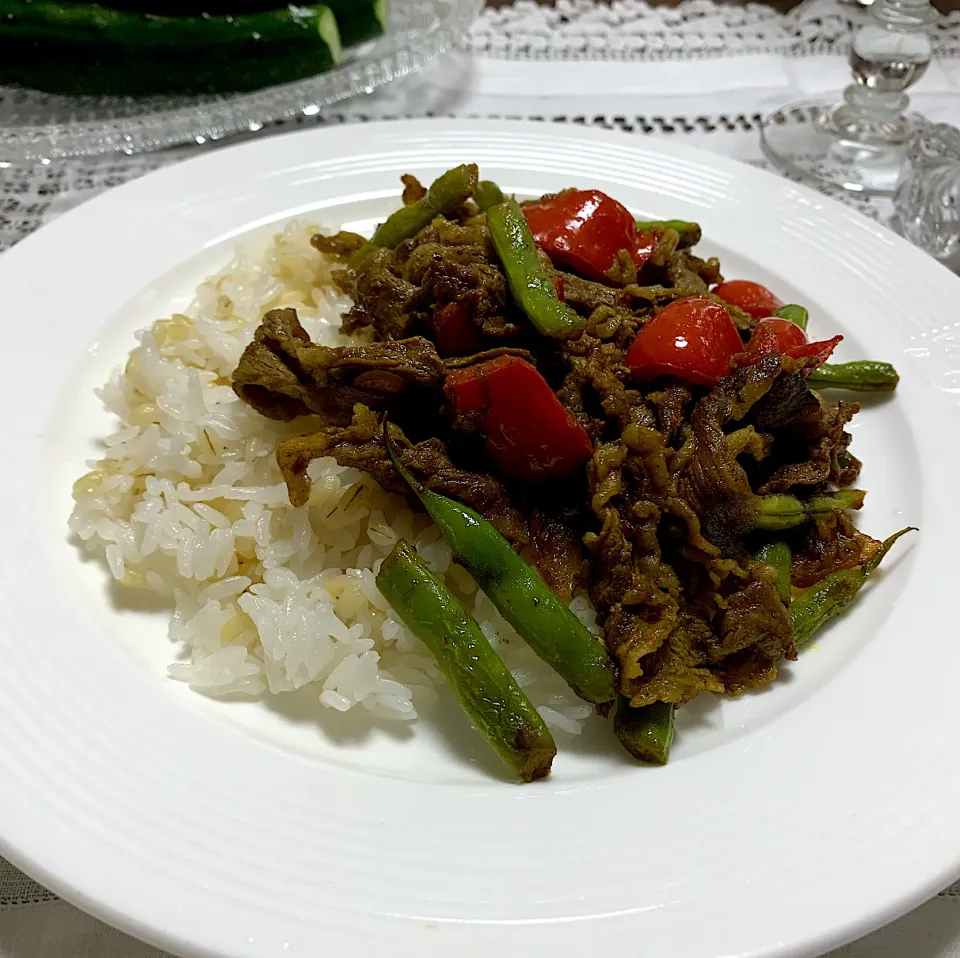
x: 36, y: 125
x: 786, y: 822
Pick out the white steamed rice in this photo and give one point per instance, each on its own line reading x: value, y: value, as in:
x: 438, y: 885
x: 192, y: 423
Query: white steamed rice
x: 188, y: 502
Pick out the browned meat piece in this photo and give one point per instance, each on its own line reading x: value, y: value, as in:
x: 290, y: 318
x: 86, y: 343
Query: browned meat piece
x: 283, y: 375
x: 413, y: 189
x: 360, y: 445
x: 671, y: 404
x: 382, y: 299
x: 340, y: 244
x: 828, y: 546
x: 557, y: 552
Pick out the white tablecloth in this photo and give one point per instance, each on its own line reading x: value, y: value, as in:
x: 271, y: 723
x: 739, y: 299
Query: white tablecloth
x: 698, y: 74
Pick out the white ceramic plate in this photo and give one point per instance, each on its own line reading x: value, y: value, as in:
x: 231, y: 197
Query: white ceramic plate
x: 786, y: 822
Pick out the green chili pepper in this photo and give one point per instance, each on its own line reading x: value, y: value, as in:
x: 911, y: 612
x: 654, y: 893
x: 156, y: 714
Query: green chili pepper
x: 530, y: 284
x: 645, y: 732
x: 488, y: 194
x: 776, y: 553
x: 796, y: 314
x: 830, y: 596
x: 778, y: 512
x: 864, y: 376
x: 522, y: 597
x: 446, y: 195
x: 690, y: 233
x: 483, y: 685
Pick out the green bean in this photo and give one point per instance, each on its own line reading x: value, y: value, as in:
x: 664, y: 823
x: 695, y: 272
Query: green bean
x: 826, y: 599
x: 796, y: 314
x: 488, y: 194
x: 776, y: 553
x: 690, y: 233
x: 483, y: 685
x: 530, y: 284
x: 864, y: 376
x: 446, y: 195
x: 645, y: 732
x: 778, y: 512
x: 522, y: 597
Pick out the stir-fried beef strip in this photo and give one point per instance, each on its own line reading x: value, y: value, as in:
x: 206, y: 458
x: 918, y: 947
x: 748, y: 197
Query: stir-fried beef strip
x: 659, y: 527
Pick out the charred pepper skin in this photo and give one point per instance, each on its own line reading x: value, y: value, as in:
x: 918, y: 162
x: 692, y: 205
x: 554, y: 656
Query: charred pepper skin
x: 445, y: 196
x: 529, y: 283
x: 482, y: 684
x: 864, y: 376
x: 832, y: 595
x: 554, y: 633
x: 646, y: 732
x: 781, y: 511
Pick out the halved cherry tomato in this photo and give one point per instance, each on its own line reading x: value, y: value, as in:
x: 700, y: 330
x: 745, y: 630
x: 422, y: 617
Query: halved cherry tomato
x: 780, y: 337
x: 752, y: 298
x: 692, y: 338
x: 529, y: 433
x: 453, y: 331
x: 585, y: 229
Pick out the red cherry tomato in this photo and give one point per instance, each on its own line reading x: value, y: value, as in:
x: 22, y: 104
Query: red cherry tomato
x: 584, y: 230
x: 692, y: 338
x: 752, y: 298
x: 780, y: 337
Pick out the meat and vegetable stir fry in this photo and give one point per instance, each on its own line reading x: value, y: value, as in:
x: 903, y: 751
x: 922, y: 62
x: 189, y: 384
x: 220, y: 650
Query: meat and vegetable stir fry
x: 580, y: 402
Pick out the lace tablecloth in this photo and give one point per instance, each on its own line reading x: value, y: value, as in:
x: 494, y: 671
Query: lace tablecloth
x: 697, y: 73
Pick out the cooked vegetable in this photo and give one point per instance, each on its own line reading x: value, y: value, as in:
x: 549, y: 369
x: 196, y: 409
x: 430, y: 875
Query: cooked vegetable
x: 776, y: 553
x: 81, y: 48
x: 488, y: 194
x: 689, y: 233
x: 752, y: 298
x: 530, y: 284
x: 778, y: 512
x: 454, y: 332
x: 585, y: 230
x: 796, y: 314
x: 693, y: 339
x: 783, y: 337
x: 645, y: 732
x: 863, y: 376
x: 445, y: 196
x: 520, y: 595
x: 830, y: 596
x: 529, y: 433
x: 483, y: 685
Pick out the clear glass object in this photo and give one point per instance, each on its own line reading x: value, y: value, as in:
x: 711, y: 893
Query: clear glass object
x: 859, y: 144
x: 927, y: 200
x: 37, y: 126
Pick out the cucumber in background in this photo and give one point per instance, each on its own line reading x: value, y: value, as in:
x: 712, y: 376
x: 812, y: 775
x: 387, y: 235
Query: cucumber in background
x: 81, y: 49
x: 357, y: 20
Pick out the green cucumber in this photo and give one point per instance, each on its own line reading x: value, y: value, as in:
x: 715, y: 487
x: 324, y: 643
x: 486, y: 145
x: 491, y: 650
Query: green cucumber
x: 62, y: 69
x: 358, y: 20
x: 38, y: 20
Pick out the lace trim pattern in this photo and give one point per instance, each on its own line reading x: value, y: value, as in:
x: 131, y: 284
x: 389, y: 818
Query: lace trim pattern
x: 634, y: 30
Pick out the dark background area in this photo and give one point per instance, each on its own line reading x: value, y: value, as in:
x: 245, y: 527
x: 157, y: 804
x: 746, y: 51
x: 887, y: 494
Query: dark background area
x: 944, y: 6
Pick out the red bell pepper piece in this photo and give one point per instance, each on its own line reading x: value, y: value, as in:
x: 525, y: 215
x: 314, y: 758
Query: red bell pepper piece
x: 529, y: 433
x: 780, y: 337
x: 585, y: 229
x: 692, y: 338
x: 752, y: 298
x: 455, y: 335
